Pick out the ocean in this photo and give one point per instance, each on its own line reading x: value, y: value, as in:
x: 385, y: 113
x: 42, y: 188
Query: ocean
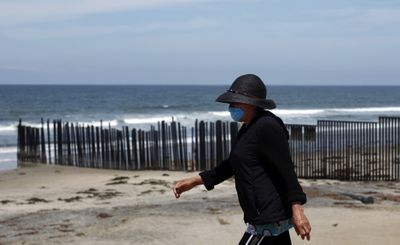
x: 139, y: 106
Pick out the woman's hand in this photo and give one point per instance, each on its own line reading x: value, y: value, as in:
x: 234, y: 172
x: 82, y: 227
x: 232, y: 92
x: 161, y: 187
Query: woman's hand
x: 186, y: 184
x: 300, y: 221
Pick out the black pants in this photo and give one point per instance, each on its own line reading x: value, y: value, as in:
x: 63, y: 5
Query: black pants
x: 282, y: 239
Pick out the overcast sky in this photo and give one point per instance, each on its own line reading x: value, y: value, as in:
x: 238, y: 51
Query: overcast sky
x: 199, y: 41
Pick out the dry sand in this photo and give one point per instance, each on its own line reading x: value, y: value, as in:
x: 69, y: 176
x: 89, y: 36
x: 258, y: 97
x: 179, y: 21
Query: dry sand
x: 64, y: 205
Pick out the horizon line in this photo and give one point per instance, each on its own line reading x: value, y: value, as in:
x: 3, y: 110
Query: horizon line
x: 177, y: 84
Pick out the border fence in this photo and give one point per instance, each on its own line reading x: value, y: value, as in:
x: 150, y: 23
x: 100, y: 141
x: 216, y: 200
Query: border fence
x: 360, y: 151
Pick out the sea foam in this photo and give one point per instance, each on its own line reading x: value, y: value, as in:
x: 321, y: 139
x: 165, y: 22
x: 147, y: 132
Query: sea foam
x: 8, y: 149
x: 8, y: 128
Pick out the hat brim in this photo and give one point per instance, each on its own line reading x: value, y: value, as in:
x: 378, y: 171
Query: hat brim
x: 229, y: 97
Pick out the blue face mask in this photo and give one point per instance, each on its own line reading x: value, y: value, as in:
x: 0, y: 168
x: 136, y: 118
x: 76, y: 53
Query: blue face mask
x: 236, y: 113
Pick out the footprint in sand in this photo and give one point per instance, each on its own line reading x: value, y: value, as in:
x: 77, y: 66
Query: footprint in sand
x: 6, y: 201
x: 145, y: 192
x: 29, y: 233
x: 103, y: 215
x: 34, y: 200
x: 71, y: 199
x: 154, y: 182
x: 119, y: 180
x: 94, y: 193
x: 66, y: 230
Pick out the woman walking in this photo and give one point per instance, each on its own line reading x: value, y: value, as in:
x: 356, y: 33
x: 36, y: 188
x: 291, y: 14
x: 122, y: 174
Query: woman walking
x: 267, y: 186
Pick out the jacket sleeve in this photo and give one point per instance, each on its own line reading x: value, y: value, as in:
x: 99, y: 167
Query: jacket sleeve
x: 213, y: 177
x: 274, y: 147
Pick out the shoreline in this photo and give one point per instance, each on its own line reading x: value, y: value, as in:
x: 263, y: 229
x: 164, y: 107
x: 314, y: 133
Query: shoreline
x: 47, y: 204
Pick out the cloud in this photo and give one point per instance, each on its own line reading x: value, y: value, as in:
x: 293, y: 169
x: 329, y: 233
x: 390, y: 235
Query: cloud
x: 344, y: 22
x: 100, y: 30
x: 25, y: 19
x: 20, y: 11
x: 375, y: 15
x: 382, y: 15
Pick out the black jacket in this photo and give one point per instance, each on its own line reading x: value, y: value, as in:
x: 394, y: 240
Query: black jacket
x: 260, y: 160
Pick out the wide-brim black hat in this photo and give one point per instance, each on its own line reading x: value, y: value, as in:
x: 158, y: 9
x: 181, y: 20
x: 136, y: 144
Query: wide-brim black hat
x: 248, y: 89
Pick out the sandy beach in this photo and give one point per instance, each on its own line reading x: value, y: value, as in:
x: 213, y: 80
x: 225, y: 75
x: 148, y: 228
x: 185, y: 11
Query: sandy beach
x: 42, y: 204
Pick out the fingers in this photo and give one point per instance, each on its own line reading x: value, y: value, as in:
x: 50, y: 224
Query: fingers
x: 180, y: 187
x: 303, y: 228
x: 307, y: 229
x: 305, y: 234
x: 308, y: 236
x: 297, y: 230
x: 177, y: 195
x: 176, y: 189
